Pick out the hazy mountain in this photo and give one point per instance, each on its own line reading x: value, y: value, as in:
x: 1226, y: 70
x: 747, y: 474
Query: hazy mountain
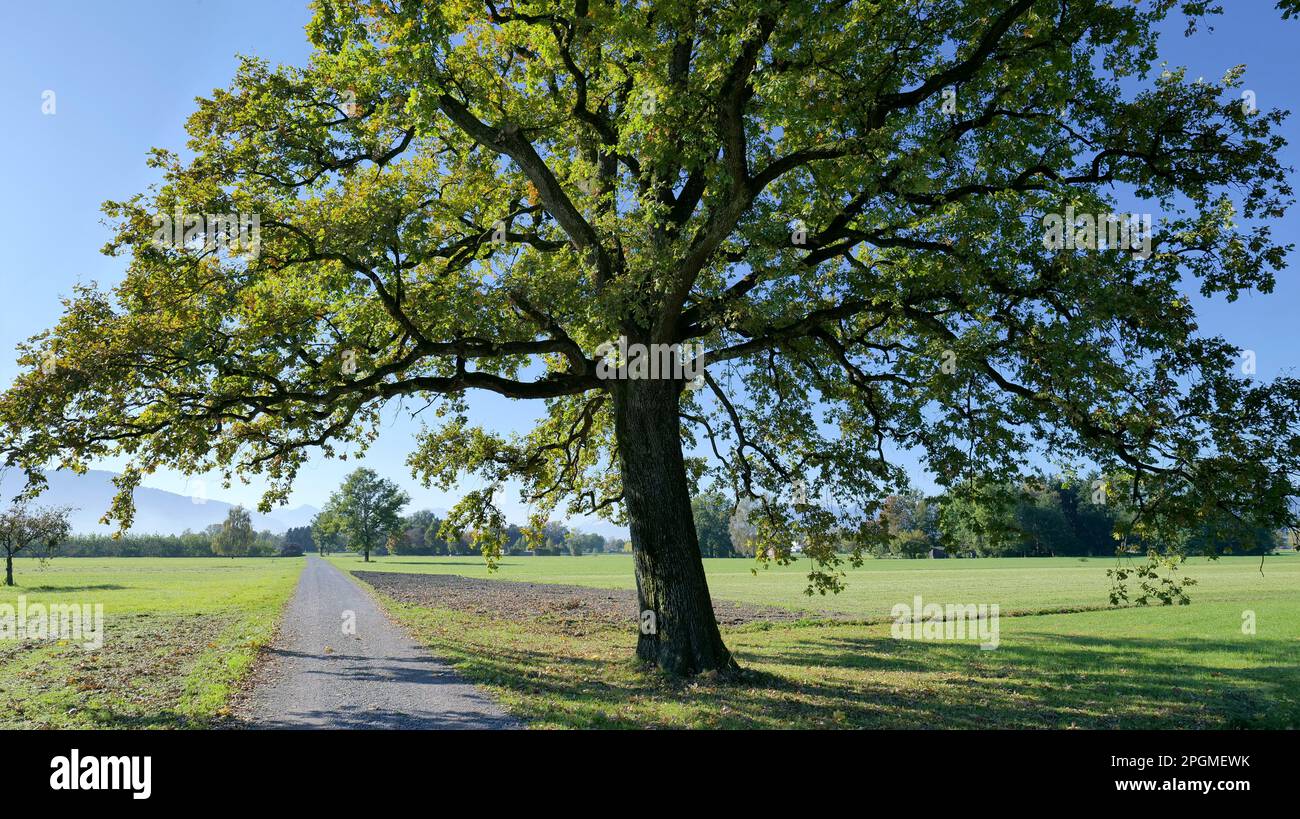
x: 156, y: 510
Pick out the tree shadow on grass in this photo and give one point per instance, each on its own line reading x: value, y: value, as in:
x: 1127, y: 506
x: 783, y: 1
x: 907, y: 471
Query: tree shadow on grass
x: 88, y: 587
x: 1062, y: 680
x: 826, y: 681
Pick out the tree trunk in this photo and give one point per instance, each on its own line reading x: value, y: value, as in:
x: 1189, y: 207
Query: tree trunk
x: 9, y: 569
x: 682, y: 638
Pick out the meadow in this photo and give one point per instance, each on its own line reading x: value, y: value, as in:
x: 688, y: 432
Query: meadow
x: 182, y: 634
x: 1068, y: 660
x: 179, y: 636
x: 1018, y: 585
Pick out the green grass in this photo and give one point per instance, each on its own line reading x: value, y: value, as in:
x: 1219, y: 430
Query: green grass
x: 179, y: 635
x: 1158, y: 667
x: 1016, y: 584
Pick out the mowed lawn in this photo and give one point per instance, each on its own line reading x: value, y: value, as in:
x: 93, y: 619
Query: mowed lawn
x: 179, y: 634
x: 1016, y: 584
x: 1095, y: 667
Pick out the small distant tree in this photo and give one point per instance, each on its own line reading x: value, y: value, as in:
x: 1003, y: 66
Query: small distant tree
x: 433, y: 537
x: 620, y: 545
x: 712, y: 515
x: 297, y: 541
x: 741, y: 529
x: 978, y: 518
x: 414, y: 536
x: 236, y: 536
x: 22, y: 527
x: 911, y: 524
x: 516, y: 544
x: 552, y: 539
x: 583, y: 543
x: 365, y: 510
x: 910, y: 543
x: 461, y: 544
x: 555, y: 533
x: 575, y: 543
x: 325, y: 533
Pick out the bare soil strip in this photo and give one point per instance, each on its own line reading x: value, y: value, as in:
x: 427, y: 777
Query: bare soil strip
x: 579, y: 608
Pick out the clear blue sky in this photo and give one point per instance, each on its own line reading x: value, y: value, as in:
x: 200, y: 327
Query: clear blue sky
x: 125, y: 75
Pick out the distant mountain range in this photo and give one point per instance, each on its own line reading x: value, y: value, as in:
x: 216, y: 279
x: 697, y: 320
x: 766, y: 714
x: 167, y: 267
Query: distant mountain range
x: 156, y: 511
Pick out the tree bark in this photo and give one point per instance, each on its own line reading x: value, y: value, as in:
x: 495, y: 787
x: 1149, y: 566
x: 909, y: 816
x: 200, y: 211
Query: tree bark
x: 9, y: 569
x: 670, y: 577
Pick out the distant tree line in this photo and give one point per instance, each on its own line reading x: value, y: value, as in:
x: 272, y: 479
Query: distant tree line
x: 421, y: 533
x: 1062, y: 516
x: 362, y: 516
x: 1039, y: 516
x: 228, y: 539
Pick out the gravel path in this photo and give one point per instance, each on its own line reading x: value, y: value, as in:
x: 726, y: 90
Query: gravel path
x: 378, y: 677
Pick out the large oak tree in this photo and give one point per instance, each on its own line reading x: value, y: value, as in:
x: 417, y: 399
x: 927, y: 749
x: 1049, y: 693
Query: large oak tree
x: 842, y: 202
